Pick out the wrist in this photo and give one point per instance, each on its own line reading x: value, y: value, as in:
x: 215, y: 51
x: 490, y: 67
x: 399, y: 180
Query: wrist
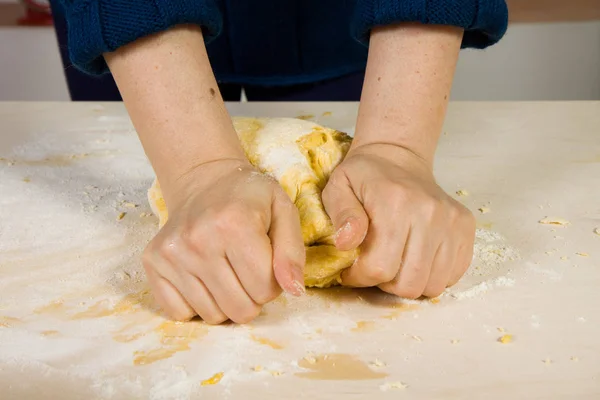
x: 395, y: 153
x: 200, y: 177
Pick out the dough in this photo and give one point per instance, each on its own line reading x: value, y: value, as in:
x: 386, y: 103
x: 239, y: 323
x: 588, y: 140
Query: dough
x: 301, y: 155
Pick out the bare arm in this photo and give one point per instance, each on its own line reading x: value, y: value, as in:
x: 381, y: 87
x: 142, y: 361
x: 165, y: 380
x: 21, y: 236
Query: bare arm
x: 415, y: 239
x: 407, y: 85
x: 232, y: 241
x: 174, y: 102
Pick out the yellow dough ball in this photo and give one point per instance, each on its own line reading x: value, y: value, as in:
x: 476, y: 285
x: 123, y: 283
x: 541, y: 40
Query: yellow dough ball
x: 301, y: 155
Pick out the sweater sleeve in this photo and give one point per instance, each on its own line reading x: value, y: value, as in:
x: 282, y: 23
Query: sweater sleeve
x: 484, y: 21
x: 99, y: 26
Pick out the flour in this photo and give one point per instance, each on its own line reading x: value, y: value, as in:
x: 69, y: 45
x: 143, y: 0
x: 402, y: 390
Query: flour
x: 491, y: 255
x: 276, y: 142
x: 483, y: 287
x: 80, y: 260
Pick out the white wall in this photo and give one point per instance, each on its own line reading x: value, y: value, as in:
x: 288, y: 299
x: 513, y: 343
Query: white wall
x: 533, y: 62
x: 30, y: 66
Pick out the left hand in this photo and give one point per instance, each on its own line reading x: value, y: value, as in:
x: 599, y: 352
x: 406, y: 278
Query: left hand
x: 415, y: 239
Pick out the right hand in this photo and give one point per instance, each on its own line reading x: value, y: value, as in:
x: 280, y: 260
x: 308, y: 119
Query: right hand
x: 231, y: 243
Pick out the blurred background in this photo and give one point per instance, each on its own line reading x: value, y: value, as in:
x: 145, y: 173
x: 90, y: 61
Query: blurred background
x: 551, y: 52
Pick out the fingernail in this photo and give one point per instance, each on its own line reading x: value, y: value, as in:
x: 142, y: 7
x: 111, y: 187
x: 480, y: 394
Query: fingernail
x: 296, y: 286
x: 300, y: 288
x: 345, y: 229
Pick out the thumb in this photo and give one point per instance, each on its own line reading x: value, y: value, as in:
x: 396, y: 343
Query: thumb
x: 289, y: 254
x: 347, y: 214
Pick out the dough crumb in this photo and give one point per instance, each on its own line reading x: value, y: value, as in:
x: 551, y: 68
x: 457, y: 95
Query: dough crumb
x: 564, y: 258
x: 504, y: 339
x: 417, y: 338
x: 582, y: 254
x: 501, y: 329
x: 455, y: 341
x: 310, y: 359
x: 121, y: 216
x: 392, y: 385
x: 597, y: 231
x: 554, y: 221
x: 306, y: 117
x: 547, y: 361
x: 128, y: 204
x: 257, y: 368
x: 213, y: 380
x: 484, y: 210
x: 276, y: 373
x: 462, y: 193
x: 436, y: 300
x: 378, y: 363
x: 327, y: 113
x: 574, y: 358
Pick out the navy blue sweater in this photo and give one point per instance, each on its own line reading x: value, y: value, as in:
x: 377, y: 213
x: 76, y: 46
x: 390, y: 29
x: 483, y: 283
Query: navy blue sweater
x: 272, y: 42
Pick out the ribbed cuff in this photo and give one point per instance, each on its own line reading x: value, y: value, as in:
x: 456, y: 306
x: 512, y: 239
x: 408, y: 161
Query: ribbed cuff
x: 484, y: 21
x: 99, y: 26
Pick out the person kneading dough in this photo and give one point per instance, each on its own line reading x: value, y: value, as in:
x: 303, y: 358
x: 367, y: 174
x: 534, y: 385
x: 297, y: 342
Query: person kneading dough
x: 292, y: 203
x: 301, y: 156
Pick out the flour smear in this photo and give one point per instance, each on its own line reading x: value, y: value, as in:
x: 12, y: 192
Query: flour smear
x: 73, y: 304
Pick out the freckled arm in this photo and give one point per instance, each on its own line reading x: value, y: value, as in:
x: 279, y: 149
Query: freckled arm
x: 407, y: 84
x: 173, y: 99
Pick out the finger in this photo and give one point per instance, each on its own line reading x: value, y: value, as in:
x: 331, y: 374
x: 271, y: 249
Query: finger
x: 289, y: 254
x: 176, y: 264
x: 251, y: 259
x: 441, y: 269
x: 346, y: 212
x: 463, y: 260
x: 199, y: 298
x: 381, y: 254
x: 464, y: 256
x: 168, y: 297
x: 227, y: 290
x: 416, y: 266
x: 224, y: 293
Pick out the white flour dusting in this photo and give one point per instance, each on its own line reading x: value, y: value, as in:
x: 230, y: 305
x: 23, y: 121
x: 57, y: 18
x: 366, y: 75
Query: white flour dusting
x: 63, y: 297
x: 491, y: 256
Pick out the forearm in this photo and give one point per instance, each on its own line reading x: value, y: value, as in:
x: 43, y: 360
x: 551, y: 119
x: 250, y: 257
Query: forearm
x: 407, y: 84
x: 174, y: 102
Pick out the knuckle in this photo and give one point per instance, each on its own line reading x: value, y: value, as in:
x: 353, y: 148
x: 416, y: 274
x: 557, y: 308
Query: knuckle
x: 379, y: 274
x: 267, y: 296
x: 434, y: 290
x: 179, y: 313
x: 169, y: 247
x: 409, y: 291
x: 214, y: 318
x: 430, y: 208
x: 196, y: 234
x: 455, y: 214
x: 246, y: 314
x: 469, y: 219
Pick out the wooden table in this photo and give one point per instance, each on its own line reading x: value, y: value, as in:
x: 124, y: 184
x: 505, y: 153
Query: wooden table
x: 76, y: 320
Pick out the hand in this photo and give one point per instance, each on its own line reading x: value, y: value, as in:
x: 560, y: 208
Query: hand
x: 415, y: 239
x: 231, y: 243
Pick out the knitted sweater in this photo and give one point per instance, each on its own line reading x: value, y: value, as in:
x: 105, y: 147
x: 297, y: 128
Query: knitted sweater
x: 271, y: 42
